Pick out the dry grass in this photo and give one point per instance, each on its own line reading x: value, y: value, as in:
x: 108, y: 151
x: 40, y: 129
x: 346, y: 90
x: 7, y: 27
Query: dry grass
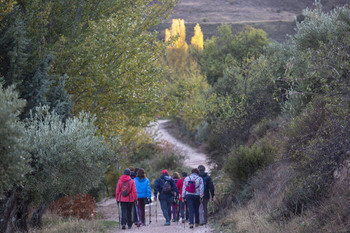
x: 57, y: 224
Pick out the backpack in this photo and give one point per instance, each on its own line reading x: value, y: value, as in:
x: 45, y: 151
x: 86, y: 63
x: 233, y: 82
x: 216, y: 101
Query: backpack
x: 191, y: 186
x: 166, y: 189
x: 125, y: 188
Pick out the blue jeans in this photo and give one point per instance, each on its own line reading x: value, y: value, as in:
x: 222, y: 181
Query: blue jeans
x: 193, y: 202
x: 166, y: 208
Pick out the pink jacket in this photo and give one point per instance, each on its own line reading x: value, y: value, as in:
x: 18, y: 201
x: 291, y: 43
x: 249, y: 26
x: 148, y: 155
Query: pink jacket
x: 132, y: 190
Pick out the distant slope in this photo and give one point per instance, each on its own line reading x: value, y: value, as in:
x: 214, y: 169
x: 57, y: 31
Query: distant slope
x: 276, y: 17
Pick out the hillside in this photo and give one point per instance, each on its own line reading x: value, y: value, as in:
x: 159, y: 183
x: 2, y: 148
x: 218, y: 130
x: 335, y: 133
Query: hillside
x: 273, y: 16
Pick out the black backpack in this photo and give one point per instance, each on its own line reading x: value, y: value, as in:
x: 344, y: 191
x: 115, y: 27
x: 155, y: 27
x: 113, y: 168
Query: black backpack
x: 166, y: 189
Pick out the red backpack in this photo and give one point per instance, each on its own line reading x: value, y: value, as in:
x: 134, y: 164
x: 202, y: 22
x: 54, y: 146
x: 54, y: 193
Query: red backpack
x: 125, y: 188
x: 191, y: 186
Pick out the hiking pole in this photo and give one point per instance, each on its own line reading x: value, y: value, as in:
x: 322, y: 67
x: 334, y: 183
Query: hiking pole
x: 150, y: 212
x: 185, y: 214
x: 212, y: 203
x: 118, y: 213
x: 137, y: 214
x: 156, y: 210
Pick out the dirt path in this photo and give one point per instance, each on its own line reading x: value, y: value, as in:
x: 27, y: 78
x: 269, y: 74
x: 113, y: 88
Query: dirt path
x: 194, y: 157
x: 108, y: 208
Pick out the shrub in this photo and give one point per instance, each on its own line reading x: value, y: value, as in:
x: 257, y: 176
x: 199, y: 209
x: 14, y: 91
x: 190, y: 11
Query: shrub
x: 245, y: 161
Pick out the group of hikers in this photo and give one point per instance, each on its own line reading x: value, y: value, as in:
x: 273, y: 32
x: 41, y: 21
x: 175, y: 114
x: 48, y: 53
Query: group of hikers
x: 181, y: 199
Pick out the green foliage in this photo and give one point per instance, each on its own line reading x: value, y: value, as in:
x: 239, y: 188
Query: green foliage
x: 244, y: 162
x: 319, y: 140
x: 13, y: 159
x: 66, y: 158
x: 227, y: 47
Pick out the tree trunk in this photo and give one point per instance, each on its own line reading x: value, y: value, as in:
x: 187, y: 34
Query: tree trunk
x: 8, y: 213
x: 36, y: 220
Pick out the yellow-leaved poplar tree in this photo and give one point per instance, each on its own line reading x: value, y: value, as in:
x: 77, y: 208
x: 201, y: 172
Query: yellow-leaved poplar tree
x: 197, y: 39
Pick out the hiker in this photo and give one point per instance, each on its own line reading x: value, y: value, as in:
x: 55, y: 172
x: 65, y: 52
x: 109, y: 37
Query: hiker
x: 143, y: 194
x: 176, y: 177
x: 193, y: 192
x: 208, y: 188
x: 183, y: 205
x: 133, y: 173
x: 166, y: 188
x: 126, y: 195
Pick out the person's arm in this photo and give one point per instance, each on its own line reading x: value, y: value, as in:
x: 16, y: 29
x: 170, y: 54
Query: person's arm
x: 156, y: 188
x: 184, y: 189
x: 174, y: 187
x: 133, y: 190
x: 149, y: 191
x: 211, y: 187
x: 201, y: 188
x: 117, y: 191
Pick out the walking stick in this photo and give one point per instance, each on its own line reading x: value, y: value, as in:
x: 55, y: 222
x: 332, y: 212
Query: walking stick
x: 118, y: 213
x: 137, y: 214
x: 156, y: 210
x: 185, y: 214
x: 150, y: 212
x: 212, y: 203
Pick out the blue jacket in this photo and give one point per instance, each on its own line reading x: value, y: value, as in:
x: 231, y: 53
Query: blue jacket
x: 158, y: 186
x: 143, y: 188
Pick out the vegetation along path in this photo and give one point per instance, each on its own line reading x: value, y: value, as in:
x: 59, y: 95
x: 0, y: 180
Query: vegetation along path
x: 194, y: 157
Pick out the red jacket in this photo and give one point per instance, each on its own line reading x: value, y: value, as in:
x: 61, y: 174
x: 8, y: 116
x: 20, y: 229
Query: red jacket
x: 179, y: 186
x: 132, y: 190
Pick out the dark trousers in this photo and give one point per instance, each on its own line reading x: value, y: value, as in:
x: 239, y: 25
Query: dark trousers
x: 141, y: 209
x: 166, y: 208
x: 193, y: 202
x: 134, y: 214
x: 126, y: 213
x: 183, y: 205
x: 205, y: 207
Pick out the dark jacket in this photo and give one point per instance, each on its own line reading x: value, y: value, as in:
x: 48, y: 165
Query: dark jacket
x: 158, y: 186
x: 208, y: 185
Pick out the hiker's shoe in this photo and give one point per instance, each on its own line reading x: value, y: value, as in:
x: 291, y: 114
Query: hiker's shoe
x: 191, y: 225
x: 167, y: 224
x: 123, y: 227
x: 182, y: 220
x: 174, y: 220
x: 143, y: 224
x: 139, y: 224
x: 129, y: 227
x: 197, y: 225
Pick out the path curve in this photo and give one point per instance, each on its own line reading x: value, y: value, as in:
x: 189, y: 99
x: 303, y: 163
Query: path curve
x: 194, y: 157
x: 108, y: 208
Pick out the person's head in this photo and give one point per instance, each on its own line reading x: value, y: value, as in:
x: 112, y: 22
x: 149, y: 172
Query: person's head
x: 201, y: 168
x: 141, y: 173
x: 176, y: 175
x: 165, y: 172
x: 132, y: 169
x: 127, y: 172
x: 184, y: 174
x: 195, y: 171
x: 136, y: 170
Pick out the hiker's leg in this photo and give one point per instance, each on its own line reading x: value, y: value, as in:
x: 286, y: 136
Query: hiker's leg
x: 124, y: 212
x: 205, y: 208
x: 169, y: 201
x: 182, y: 209
x: 130, y: 207
x: 196, y: 203
x: 164, y: 206
x: 173, y: 208
x: 187, y: 212
x: 141, y: 208
x: 134, y: 213
x: 190, y: 203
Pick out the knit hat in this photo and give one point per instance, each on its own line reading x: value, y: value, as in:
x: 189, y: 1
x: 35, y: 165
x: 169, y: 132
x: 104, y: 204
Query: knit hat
x: 201, y: 168
x: 165, y: 172
x: 127, y: 172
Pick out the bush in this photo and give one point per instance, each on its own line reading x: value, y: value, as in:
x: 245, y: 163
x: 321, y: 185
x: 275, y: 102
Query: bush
x: 245, y: 161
